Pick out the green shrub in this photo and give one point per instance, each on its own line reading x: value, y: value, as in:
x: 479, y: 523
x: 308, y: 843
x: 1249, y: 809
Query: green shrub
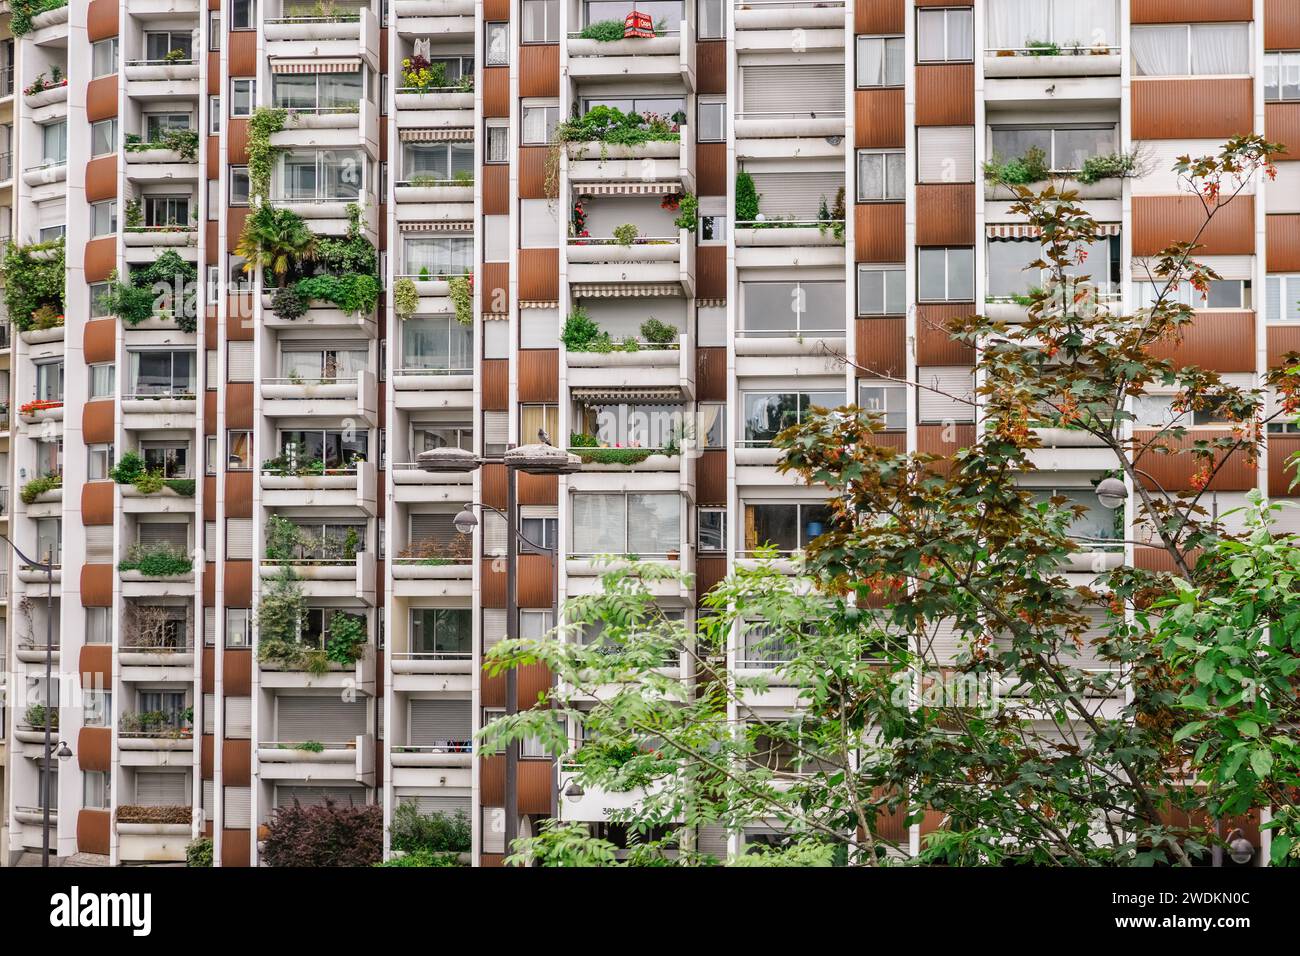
x: 424, y: 858
x: 658, y: 333
x: 199, y: 852
x: 182, y: 486
x: 406, y: 299
x: 747, y: 197
x: 1042, y: 48
x: 33, y: 277
x: 1030, y: 168
x: 38, y: 486
x: 579, y: 331
x: 1112, y: 166
x: 688, y: 213
x: 37, y: 716
x: 156, y: 560
x: 460, y: 289
x: 128, y: 468
x: 626, y: 234
x: 289, y: 303
x: 347, y: 638
x: 354, y: 294
x: 412, y: 831
x: 606, y: 31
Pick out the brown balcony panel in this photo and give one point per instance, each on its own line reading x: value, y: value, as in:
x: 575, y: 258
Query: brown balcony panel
x: 97, y: 503
x: 1178, y: 471
x: 101, y: 20
x: 101, y: 178
x: 1160, y: 221
x: 95, y: 747
x: 539, y: 377
x: 1281, y: 473
x: 880, y: 119
x: 711, y: 272
x: 95, y: 662
x: 879, y: 16
x: 1281, y: 25
x: 1283, y: 243
x: 711, y: 374
x: 942, y: 441
x: 711, y: 168
x: 945, y: 94
x: 537, y: 489
x: 539, y: 275
x: 97, y: 585
x: 496, y: 91
x: 1223, y: 341
x: 539, y: 69
x: 242, y: 52
x: 1192, y: 109
x: 101, y: 98
x: 236, y: 845
x: 1282, y: 340
x: 236, y: 762
x: 711, y: 478
x: 496, y: 189
x: 1192, y: 11
x: 93, y: 831
x: 239, y: 494
x: 532, y: 172
x: 945, y: 214
x: 882, y: 345
x: 239, y: 404
x: 496, y: 384
x: 711, y: 67
x: 100, y: 258
x: 880, y: 232
x: 236, y: 149
x: 709, y: 570
x: 934, y: 343
x: 97, y: 421
x: 237, y: 672
x: 535, y: 586
x: 1282, y: 125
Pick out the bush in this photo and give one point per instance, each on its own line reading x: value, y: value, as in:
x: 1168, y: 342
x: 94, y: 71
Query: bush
x: 199, y: 852
x: 579, y: 331
x: 747, y: 197
x: 606, y: 31
x: 289, y: 303
x: 1030, y: 168
x: 424, y: 858
x: 131, y: 813
x: 412, y: 831
x: 626, y: 234
x: 128, y: 469
x: 1113, y: 166
x: 406, y: 300
x: 37, y: 716
x: 38, y: 486
x: 354, y: 294
x: 327, y: 835
x: 156, y: 560
x: 658, y: 333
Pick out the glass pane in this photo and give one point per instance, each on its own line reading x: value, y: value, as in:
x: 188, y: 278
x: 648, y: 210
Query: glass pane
x: 772, y: 526
x: 599, y: 524
x: 822, y: 306
x: 961, y: 275
x: 1073, y: 146
x: 871, y: 176
x: 871, y: 61
x: 653, y: 524
x: 770, y: 307
x: 1008, y: 144
x: 931, y: 275
x: 767, y: 414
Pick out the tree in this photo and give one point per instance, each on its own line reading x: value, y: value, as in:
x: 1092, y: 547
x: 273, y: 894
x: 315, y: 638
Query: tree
x: 947, y: 662
x: 277, y: 239
x: 326, y: 835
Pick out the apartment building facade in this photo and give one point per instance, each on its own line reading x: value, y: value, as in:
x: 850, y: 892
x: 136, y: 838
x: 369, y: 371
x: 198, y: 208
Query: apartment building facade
x: 802, y: 209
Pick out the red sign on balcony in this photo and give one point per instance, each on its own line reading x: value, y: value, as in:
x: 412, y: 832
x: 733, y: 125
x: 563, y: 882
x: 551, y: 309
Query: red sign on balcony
x: 637, y: 24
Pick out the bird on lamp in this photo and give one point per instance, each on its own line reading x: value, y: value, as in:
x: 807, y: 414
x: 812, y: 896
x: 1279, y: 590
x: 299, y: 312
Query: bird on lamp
x: 542, y: 437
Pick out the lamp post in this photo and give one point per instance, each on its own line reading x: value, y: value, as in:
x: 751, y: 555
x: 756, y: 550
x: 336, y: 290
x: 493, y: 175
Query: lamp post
x: 533, y: 459
x: 64, y: 753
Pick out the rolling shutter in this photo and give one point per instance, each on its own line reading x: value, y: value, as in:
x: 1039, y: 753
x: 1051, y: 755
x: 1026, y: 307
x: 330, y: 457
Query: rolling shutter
x: 494, y: 626
x: 239, y: 539
x: 712, y: 839
x: 316, y: 796
x: 238, y: 808
x: 209, y: 794
x: 494, y: 535
x: 437, y: 526
x: 239, y: 718
x: 157, y: 533
x: 493, y: 832
x: 945, y: 154
x: 323, y: 719
x: 496, y: 428
x: 799, y: 88
x: 211, y: 380
x: 239, y: 361
x: 209, y: 626
x: 797, y: 195
x: 436, y: 722
x: 209, y: 713
x: 940, y: 642
x: 161, y: 789
x: 441, y: 804
x: 99, y: 544
x: 933, y: 401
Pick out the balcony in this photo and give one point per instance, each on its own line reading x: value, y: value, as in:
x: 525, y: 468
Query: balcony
x: 411, y: 670
x: 49, y: 173
x: 39, y: 411
x: 434, y: 18
x: 648, y: 367
x: 358, y: 676
x: 659, y: 166
x: 165, y: 663
x: 331, y: 127
x: 428, y: 200
x: 338, y: 761
x: 355, y: 486
x: 46, y: 100
x: 347, y: 34
x: 441, y: 108
x: 780, y: 26
x: 355, y: 398
x: 153, y: 834
x: 172, y: 410
x: 412, y: 484
x: 600, y: 267
x: 432, y: 577
x: 785, y: 244
x: 162, y: 79
x: 791, y: 352
x: 1049, y: 77
x: 154, y: 237
x: 30, y: 652
x: 660, y: 59
x: 352, y: 578
x: 50, y: 28
x: 592, y: 804
x: 152, y: 740
x: 1111, y: 188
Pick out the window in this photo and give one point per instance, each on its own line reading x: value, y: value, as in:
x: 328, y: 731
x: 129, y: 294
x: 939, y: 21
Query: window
x: 628, y: 425
x: 99, y: 625
x: 497, y: 44
x: 882, y: 290
x: 880, y: 61
x: 209, y: 454
x: 1282, y: 76
x: 539, y: 124
x: 945, y: 35
x: 103, y: 57
x: 1010, y: 272
x: 239, y: 450
x: 497, y: 133
x: 94, y: 787
x: 49, y: 381
x: 712, y: 22
x: 98, y: 292
x: 881, y: 175
x: 426, y: 437
x: 162, y: 373
x: 320, y: 174
x: 768, y: 413
x: 945, y: 275
x: 713, y: 229
x: 1065, y: 148
x: 788, y: 309
x: 786, y: 527
x: 54, y: 143
x: 1157, y: 411
x: 442, y: 633
x: 172, y: 458
x: 640, y: 524
x: 1097, y: 526
x: 1196, y: 49
x: 242, y: 95
x: 316, y: 91
x: 945, y: 154
x: 243, y: 15
x: 323, y: 364
x: 103, y: 218
x: 443, y: 161
x: 166, y: 210
x: 338, y: 540
x: 336, y: 449
x: 1282, y: 298
x: 103, y: 380
x: 49, y: 541
x: 544, y: 533
x: 887, y: 400
x: 541, y: 21
x: 712, y: 529
x: 214, y: 214
x: 238, y: 627
x: 239, y: 185
x: 533, y: 418
x: 49, y: 457
x: 214, y: 115
x: 100, y: 461
x: 437, y: 344
x: 430, y: 256
x: 1219, y: 294
x: 50, y: 233
x: 103, y: 137
x: 164, y: 46
x: 1071, y: 24
x: 158, y: 125
x: 214, y: 30
x: 712, y: 125
x: 711, y: 424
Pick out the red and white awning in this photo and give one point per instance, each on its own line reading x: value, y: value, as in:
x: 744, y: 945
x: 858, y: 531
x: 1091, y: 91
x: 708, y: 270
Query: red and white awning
x: 315, y: 66
x: 436, y: 225
x: 434, y: 135
x: 632, y: 290
x: 626, y: 189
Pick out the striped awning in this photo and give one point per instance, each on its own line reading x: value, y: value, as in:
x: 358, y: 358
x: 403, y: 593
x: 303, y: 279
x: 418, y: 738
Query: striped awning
x: 710, y: 303
x: 1020, y: 230
x: 539, y: 303
x: 626, y: 189
x: 633, y: 290
x: 658, y: 393
x: 434, y: 135
x: 436, y: 225
x: 315, y: 66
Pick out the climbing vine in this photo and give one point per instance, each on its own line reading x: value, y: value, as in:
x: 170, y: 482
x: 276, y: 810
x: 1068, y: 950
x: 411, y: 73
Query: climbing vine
x: 264, y: 122
x: 461, y: 290
x: 34, y: 281
x: 23, y: 12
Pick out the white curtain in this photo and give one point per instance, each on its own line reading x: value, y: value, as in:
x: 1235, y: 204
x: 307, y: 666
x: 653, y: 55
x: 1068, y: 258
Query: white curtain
x: 1012, y: 22
x: 1159, y: 51
x: 1085, y: 22
x: 1221, y: 49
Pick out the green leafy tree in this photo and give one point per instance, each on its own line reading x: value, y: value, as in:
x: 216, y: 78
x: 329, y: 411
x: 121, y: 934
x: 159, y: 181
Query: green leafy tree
x: 276, y: 239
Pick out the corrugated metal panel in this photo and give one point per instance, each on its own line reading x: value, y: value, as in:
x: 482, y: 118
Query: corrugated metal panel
x: 945, y: 94
x: 797, y: 195
x: 1159, y: 221
x: 1191, y: 109
x: 939, y: 400
x: 324, y: 719
x: 239, y: 718
x: 437, y: 722
x: 159, y: 789
x: 238, y: 808
x: 793, y: 88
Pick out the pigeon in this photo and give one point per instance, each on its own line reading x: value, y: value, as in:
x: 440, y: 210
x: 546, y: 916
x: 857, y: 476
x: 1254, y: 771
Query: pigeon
x: 542, y: 437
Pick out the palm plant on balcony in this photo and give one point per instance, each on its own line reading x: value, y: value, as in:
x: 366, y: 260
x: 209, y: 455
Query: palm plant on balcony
x: 275, y: 239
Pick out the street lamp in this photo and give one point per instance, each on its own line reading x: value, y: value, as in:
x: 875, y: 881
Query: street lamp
x: 533, y: 459
x: 48, y: 567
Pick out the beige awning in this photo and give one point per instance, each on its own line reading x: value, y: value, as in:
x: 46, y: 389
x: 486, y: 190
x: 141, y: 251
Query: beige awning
x: 434, y: 135
x: 626, y: 189
x: 436, y: 225
x: 665, y: 394
x: 1021, y: 230
x: 315, y: 66
x: 629, y: 291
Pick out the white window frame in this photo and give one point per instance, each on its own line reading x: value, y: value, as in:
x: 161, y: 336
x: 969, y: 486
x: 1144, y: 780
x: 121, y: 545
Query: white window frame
x: 884, y: 158
x: 886, y: 41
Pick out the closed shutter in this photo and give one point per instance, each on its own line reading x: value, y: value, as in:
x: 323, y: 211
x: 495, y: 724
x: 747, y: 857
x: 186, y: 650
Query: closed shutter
x: 239, y: 539
x: 437, y: 803
x: 99, y: 544
x: 209, y: 626
x: 238, y: 808
x: 317, y: 796
x: 492, y: 834
x: 209, y: 713
x: 1088, y: 656
x: 239, y: 718
x: 161, y: 789
x: 494, y: 626
x: 496, y: 428
x: 437, y: 526
x: 539, y: 511
x: 940, y: 643
x: 802, y: 88
x: 712, y: 839
x: 435, y: 723
x: 209, y: 795
x: 494, y: 535
x: 323, y: 719
x: 797, y: 195
x: 239, y: 361
x: 210, y: 539
x: 211, y: 381
x: 940, y: 382
x: 945, y: 154
x: 156, y: 533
